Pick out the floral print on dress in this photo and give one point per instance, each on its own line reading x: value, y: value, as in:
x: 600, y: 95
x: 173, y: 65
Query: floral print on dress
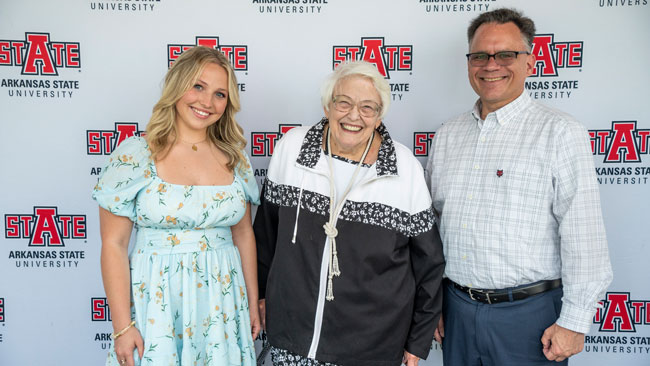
x: 188, y: 292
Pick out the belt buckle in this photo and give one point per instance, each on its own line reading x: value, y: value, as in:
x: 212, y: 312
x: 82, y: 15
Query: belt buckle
x: 471, y: 296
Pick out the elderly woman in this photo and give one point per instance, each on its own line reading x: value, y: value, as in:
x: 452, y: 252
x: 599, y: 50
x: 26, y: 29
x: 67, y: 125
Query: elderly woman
x: 349, y: 258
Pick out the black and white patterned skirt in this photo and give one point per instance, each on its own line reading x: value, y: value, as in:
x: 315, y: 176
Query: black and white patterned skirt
x: 281, y: 357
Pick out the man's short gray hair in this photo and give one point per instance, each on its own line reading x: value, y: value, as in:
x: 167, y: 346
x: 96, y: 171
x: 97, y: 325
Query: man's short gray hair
x: 502, y: 16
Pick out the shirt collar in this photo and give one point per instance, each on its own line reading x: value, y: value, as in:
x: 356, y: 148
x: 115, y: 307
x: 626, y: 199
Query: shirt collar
x: 311, y: 146
x: 508, y: 112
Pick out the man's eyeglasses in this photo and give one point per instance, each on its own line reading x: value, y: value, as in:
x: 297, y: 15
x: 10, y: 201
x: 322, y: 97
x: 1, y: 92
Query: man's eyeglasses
x: 367, y: 108
x: 502, y: 58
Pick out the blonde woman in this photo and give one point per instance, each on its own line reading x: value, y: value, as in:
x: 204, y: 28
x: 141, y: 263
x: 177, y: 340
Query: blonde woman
x: 187, y: 293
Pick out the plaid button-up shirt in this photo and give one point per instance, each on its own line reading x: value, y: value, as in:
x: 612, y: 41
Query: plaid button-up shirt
x: 518, y: 202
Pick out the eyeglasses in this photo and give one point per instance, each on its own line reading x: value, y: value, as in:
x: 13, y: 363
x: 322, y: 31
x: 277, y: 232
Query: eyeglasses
x: 502, y: 58
x: 367, y: 108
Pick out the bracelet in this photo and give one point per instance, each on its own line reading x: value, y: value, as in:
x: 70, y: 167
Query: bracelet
x: 115, y: 335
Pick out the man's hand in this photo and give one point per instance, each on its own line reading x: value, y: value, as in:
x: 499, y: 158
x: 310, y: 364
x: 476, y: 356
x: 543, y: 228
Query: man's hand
x: 439, y: 333
x: 560, y: 343
x: 410, y: 359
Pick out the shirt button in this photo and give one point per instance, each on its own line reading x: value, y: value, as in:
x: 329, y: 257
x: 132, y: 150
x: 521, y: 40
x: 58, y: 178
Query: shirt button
x: 464, y: 257
x: 469, y: 196
x: 476, y: 166
x: 464, y: 226
x: 483, y: 138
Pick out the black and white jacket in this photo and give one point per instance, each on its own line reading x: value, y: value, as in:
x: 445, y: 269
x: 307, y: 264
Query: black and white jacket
x: 387, y: 298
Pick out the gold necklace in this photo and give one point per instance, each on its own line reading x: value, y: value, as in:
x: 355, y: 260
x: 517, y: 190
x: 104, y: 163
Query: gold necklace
x: 194, y: 147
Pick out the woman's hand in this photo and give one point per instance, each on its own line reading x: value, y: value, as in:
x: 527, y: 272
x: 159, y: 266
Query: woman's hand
x: 262, y: 306
x: 409, y: 359
x: 115, y: 232
x: 126, y: 343
x: 255, y: 321
x: 244, y: 239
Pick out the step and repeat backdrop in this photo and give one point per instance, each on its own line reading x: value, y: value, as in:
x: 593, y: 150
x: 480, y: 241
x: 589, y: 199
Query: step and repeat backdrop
x: 79, y: 76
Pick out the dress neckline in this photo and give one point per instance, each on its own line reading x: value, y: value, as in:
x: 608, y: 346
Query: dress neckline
x: 154, y: 173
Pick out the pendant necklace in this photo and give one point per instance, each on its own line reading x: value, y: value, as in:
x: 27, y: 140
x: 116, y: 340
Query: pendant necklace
x: 194, y: 147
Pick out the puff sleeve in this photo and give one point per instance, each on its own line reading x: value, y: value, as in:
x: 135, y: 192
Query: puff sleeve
x: 245, y: 172
x: 127, y: 172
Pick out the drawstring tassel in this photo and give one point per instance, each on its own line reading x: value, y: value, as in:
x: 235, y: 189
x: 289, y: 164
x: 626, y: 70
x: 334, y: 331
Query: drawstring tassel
x: 329, y: 296
x: 330, y: 292
x: 333, y: 268
x: 335, y: 260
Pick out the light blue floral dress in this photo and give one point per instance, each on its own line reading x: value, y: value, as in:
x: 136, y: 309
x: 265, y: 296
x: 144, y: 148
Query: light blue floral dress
x: 188, y: 292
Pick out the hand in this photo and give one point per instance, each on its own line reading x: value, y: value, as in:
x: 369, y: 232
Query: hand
x: 262, y: 306
x: 439, y: 333
x: 561, y: 343
x: 255, y: 321
x: 125, y: 344
x: 409, y: 359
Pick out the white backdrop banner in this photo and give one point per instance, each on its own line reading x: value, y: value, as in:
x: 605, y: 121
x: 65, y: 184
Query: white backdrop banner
x: 79, y: 76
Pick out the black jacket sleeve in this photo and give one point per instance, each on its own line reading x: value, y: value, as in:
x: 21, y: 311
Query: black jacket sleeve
x: 428, y: 263
x: 266, y: 229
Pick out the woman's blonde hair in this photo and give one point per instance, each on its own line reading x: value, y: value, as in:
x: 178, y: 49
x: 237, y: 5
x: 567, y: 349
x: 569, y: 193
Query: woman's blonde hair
x: 226, y: 133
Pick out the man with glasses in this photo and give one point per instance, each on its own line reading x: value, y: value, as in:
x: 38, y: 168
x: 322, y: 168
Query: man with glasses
x: 514, y: 186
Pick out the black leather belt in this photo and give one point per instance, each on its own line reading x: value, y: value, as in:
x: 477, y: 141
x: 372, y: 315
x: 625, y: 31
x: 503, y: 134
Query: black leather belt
x: 498, y: 296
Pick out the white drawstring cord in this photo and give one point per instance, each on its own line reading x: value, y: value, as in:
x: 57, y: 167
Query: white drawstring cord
x: 330, y: 226
x: 295, y: 226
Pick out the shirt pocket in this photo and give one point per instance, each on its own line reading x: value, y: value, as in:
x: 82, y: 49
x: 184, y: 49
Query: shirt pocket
x: 525, y: 191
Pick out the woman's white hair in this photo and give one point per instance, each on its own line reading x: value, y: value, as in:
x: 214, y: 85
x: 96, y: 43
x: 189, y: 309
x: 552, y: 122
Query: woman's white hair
x: 359, y: 69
